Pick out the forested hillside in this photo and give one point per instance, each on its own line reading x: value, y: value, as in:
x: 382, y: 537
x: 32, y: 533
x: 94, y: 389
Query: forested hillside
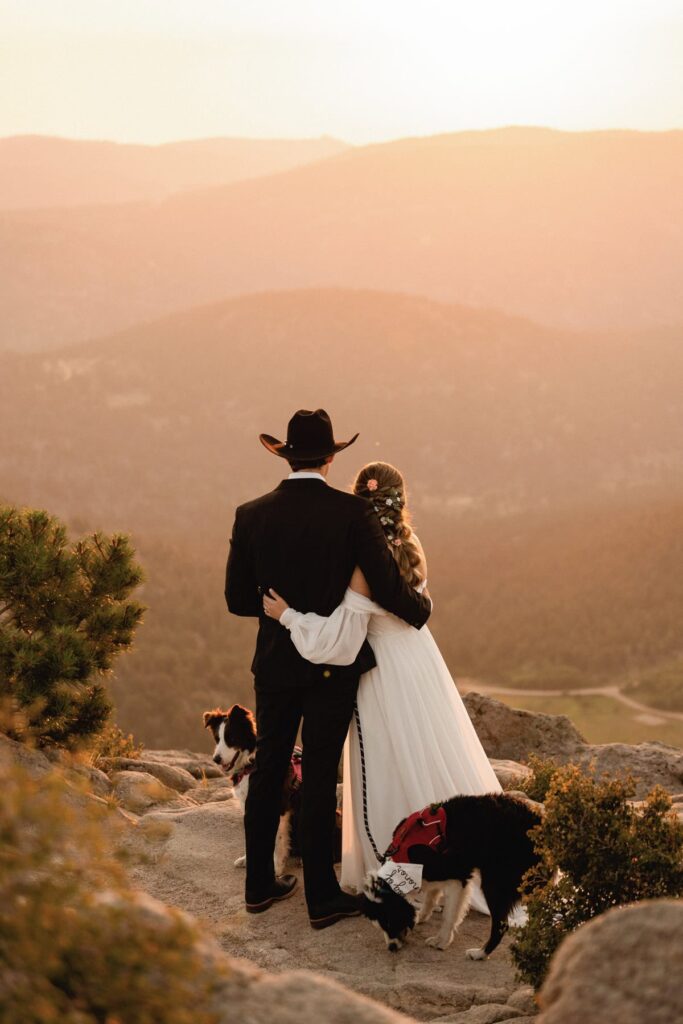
x: 569, y: 599
x: 543, y: 468
x: 155, y: 429
x: 588, y: 596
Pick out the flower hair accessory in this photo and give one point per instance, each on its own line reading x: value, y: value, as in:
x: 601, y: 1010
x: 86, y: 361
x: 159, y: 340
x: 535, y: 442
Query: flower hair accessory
x: 387, y: 503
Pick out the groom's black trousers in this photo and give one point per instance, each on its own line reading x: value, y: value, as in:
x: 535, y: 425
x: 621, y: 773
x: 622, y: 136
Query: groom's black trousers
x: 326, y: 708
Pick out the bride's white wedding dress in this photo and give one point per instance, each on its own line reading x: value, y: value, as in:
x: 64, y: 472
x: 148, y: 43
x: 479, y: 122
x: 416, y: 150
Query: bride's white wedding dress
x: 419, y: 744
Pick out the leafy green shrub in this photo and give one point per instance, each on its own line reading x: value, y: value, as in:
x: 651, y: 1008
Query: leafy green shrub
x: 113, y: 742
x: 65, y: 615
x: 537, y: 784
x: 597, y: 851
x: 75, y: 946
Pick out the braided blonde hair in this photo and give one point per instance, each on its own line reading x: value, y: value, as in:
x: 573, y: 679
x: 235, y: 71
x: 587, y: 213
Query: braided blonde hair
x: 385, y: 487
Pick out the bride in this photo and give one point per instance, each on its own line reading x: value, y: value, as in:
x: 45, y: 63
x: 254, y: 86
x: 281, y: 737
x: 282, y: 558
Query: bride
x: 411, y: 742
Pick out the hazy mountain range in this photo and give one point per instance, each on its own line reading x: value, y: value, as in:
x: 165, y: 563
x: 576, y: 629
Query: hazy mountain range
x: 580, y: 230
x: 537, y: 413
x: 43, y: 171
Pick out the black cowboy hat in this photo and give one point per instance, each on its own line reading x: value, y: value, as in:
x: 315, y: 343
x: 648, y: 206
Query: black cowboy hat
x: 309, y: 437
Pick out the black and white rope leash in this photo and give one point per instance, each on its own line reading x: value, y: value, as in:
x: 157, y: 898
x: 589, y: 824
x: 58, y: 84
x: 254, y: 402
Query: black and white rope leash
x: 366, y: 821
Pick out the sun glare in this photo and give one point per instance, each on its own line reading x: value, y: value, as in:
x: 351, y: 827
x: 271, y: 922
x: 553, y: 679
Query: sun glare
x: 361, y: 71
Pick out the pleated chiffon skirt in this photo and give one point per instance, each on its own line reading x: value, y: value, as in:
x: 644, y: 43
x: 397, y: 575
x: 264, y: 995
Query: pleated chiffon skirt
x: 419, y: 744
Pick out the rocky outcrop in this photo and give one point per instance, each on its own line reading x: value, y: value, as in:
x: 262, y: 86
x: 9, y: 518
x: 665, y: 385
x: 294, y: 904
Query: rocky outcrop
x: 199, y: 765
x: 510, y: 733
x: 85, y: 782
x: 97, y: 780
x: 624, y: 966
x: 184, y: 819
x: 191, y: 865
x: 342, y: 975
x: 145, y: 784
x: 513, y: 734
x: 510, y: 773
x: 169, y: 774
x: 138, y: 791
x: 243, y: 992
x: 35, y: 762
x: 650, y: 764
x: 524, y: 1000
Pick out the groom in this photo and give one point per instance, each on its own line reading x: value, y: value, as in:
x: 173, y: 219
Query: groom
x: 304, y: 540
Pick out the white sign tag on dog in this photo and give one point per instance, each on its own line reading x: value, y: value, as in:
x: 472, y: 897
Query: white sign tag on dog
x: 402, y: 878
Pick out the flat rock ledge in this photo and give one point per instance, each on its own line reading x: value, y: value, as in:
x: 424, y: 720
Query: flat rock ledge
x: 273, y: 968
x: 514, y: 734
x: 201, y: 766
x: 190, y: 852
x: 172, y: 779
x: 277, y: 970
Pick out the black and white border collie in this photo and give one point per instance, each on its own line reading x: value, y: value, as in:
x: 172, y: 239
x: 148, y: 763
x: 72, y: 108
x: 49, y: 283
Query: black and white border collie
x: 485, y: 836
x: 234, y: 732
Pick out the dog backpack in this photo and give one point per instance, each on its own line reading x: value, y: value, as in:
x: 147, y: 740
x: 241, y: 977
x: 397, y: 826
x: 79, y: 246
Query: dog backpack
x: 422, y: 828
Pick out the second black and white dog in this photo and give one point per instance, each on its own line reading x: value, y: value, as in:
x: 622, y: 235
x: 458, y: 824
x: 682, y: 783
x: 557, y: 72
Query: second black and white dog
x: 465, y: 837
x: 234, y: 732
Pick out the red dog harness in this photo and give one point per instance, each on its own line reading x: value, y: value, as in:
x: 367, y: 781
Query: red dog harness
x: 423, y: 828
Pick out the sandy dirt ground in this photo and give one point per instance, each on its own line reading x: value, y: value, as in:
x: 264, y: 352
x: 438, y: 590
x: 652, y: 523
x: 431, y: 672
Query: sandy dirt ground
x: 192, y: 868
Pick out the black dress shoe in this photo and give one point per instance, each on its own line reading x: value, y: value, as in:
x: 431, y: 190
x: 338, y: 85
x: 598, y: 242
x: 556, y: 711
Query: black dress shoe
x: 336, y: 909
x: 281, y: 889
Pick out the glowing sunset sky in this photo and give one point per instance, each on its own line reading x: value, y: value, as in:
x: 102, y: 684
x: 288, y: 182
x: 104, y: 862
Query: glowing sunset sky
x: 156, y: 70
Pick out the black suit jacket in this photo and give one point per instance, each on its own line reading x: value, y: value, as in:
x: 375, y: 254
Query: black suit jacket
x: 304, y: 539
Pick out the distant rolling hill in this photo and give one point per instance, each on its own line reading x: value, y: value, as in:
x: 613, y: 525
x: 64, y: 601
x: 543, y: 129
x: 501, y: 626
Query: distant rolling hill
x: 38, y: 171
x: 544, y: 468
x: 156, y: 428
x: 573, y: 229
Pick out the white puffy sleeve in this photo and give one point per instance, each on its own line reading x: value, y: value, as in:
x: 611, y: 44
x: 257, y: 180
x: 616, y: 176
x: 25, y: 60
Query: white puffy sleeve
x: 334, y: 639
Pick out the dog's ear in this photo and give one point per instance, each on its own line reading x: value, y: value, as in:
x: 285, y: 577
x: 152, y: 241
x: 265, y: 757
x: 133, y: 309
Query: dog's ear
x: 212, y: 716
x: 238, y: 712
